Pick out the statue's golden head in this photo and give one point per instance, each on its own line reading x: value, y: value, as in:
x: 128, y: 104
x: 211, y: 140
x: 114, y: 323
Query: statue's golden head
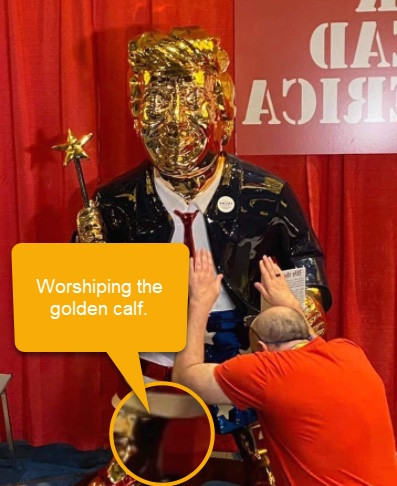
x: 182, y: 98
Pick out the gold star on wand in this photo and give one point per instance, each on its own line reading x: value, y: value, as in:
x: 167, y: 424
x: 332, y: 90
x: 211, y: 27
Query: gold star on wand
x: 74, y: 151
x: 74, y: 147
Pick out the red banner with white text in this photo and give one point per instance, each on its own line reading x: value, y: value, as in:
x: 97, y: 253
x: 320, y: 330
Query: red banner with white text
x: 316, y: 77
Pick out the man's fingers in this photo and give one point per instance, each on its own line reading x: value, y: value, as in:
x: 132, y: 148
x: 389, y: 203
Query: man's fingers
x: 211, y: 261
x: 198, y: 261
x: 203, y: 263
x: 191, y: 266
x: 270, y: 267
x: 264, y: 267
x: 206, y: 264
x: 261, y: 290
x: 277, y: 270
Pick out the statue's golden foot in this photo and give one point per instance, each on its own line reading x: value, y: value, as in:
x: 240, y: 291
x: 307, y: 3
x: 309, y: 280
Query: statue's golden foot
x: 113, y: 475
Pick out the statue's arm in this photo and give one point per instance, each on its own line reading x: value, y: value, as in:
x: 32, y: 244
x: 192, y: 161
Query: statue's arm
x: 304, y: 250
x: 104, y: 221
x: 90, y: 225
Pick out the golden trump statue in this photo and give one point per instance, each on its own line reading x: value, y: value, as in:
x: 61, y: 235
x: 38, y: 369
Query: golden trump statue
x: 189, y: 190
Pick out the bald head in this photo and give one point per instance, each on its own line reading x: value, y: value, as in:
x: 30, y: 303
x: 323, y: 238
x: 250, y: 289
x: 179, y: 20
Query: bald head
x: 280, y: 324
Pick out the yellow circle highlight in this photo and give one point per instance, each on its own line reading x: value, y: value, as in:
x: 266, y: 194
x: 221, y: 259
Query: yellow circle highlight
x: 210, y: 446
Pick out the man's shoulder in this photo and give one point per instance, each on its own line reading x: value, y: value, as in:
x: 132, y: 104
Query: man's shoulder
x: 350, y: 347
x: 342, y: 342
x: 340, y: 348
x: 256, y: 362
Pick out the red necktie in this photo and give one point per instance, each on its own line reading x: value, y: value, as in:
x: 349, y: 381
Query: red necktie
x: 187, y: 220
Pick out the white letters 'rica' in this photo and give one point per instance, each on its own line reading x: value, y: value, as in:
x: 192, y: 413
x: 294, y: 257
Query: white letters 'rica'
x: 365, y: 92
x: 366, y: 101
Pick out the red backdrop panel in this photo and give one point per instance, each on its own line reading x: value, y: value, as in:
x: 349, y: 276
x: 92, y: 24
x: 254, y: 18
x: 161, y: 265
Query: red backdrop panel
x: 65, y: 64
x: 317, y: 79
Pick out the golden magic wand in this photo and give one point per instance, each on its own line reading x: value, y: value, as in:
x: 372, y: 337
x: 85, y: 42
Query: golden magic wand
x: 74, y: 151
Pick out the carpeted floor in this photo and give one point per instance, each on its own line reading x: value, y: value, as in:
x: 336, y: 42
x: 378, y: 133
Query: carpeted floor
x: 52, y: 465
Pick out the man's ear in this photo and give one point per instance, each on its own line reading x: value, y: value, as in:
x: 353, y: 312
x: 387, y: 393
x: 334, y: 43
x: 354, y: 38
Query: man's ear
x: 262, y: 346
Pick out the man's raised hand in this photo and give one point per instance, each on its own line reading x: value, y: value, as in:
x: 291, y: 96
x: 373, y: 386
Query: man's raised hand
x: 204, y: 283
x: 274, y: 286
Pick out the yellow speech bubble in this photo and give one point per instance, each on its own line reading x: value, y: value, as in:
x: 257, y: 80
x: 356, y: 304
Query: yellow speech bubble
x: 115, y: 298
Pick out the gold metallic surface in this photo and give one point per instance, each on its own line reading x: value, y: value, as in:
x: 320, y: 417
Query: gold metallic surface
x: 314, y: 311
x: 227, y: 173
x: 189, y: 188
x: 271, y: 184
x: 256, y: 459
x: 130, y: 196
x: 149, y: 185
x: 90, y: 225
x: 114, y: 472
x: 181, y: 101
x: 73, y: 147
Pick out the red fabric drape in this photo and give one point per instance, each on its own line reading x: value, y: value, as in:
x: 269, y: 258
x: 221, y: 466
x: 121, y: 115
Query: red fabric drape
x: 64, y: 65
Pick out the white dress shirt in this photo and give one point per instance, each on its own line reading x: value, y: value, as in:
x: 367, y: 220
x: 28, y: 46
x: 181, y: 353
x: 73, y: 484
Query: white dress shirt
x: 173, y: 201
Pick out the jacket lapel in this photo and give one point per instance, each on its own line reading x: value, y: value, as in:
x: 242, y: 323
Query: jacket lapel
x: 221, y: 223
x: 153, y: 223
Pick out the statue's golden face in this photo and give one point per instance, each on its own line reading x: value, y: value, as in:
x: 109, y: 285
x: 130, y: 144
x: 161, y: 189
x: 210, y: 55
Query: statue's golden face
x: 177, y: 121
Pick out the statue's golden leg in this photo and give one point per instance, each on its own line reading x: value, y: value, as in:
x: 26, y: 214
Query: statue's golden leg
x: 256, y: 460
x: 112, y: 475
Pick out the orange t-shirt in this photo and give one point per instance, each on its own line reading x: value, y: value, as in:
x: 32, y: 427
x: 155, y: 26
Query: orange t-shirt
x: 323, y: 411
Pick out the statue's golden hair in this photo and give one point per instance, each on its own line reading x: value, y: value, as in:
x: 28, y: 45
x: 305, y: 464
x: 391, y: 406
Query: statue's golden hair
x: 184, y: 50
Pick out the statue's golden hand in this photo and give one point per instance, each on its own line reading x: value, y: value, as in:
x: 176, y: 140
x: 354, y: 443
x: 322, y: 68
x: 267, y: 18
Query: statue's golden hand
x: 314, y: 311
x: 90, y: 225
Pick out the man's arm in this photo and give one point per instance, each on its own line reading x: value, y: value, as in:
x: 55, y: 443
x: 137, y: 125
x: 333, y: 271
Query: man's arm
x: 304, y: 250
x: 189, y: 368
x: 90, y: 225
x: 303, y: 247
x: 204, y: 286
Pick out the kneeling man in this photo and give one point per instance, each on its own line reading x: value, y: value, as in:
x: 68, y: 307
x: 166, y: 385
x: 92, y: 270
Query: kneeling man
x: 321, y: 404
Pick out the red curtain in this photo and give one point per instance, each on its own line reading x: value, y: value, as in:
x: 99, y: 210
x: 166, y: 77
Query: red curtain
x: 64, y: 65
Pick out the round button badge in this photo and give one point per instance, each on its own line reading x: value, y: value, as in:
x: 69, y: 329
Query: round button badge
x: 226, y: 204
